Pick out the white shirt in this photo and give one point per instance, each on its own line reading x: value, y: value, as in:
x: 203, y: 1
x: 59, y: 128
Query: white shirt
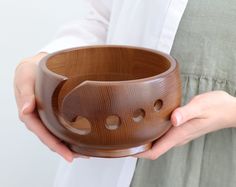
x: 146, y: 23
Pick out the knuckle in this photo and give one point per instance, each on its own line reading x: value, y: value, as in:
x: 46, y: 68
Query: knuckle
x: 181, y: 144
x: 199, y: 104
x: 53, y: 146
x: 44, y: 141
x: 51, y: 149
x: 152, y: 156
x: 21, y: 117
x: 29, y: 127
x: 185, y: 142
x: 27, y: 60
x: 197, y: 98
x: 20, y: 64
x: 223, y: 93
x: 23, y: 62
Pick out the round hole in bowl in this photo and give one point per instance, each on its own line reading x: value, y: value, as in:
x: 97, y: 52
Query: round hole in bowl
x: 113, y: 122
x: 138, y: 115
x: 158, y: 105
x: 81, y: 125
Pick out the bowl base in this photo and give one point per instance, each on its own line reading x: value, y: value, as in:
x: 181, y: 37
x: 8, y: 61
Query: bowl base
x: 111, y: 153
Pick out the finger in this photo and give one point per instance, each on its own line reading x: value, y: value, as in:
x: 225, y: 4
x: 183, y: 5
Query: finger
x: 24, y: 87
x: 29, y: 105
x: 177, y: 136
x: 162, y: 145
x: 36, y: 126
x: 185, y: 113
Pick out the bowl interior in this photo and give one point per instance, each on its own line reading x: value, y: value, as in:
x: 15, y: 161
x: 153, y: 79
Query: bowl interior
x: 105, y: 64
x: 108, y: 63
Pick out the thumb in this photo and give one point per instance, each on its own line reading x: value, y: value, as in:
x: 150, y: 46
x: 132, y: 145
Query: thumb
x: 24, y: 87
x: 185, y: 113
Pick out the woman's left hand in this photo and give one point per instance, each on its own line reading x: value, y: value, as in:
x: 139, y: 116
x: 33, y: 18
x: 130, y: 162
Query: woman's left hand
x: 205, y: 113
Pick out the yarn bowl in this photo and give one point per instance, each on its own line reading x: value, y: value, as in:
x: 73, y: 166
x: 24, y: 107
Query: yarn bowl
x: 107, y: 101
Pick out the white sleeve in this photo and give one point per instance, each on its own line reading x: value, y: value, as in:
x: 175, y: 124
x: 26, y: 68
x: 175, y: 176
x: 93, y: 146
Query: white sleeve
x: 89, y: 30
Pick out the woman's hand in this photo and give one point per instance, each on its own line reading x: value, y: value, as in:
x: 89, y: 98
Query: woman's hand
x: 205, y: 113
x: 24, y: 92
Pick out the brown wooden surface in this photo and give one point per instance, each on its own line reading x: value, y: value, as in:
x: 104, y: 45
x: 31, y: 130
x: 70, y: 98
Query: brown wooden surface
x: 108, y: 101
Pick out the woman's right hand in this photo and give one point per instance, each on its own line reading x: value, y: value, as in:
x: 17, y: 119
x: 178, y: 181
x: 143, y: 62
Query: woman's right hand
x: 24, y: 83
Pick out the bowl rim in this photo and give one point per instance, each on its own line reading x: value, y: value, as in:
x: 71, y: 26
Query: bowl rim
x: 173, y: 64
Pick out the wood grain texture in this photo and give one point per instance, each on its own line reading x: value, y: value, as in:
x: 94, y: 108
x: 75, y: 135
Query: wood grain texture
x: 108, y: 101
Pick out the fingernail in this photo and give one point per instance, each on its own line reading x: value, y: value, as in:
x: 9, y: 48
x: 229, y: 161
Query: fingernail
x: 80, y: 156
x: 178, y: 120
x: 69, y: 159
x: 25, y: 106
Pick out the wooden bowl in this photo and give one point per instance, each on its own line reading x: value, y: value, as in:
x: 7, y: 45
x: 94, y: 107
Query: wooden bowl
x: 107, y: 101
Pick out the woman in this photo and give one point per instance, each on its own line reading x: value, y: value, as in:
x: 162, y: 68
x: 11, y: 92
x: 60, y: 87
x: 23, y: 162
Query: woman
x: 203, y: 40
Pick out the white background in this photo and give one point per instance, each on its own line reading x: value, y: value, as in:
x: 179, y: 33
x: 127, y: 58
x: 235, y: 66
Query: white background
x: 25, y: 27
